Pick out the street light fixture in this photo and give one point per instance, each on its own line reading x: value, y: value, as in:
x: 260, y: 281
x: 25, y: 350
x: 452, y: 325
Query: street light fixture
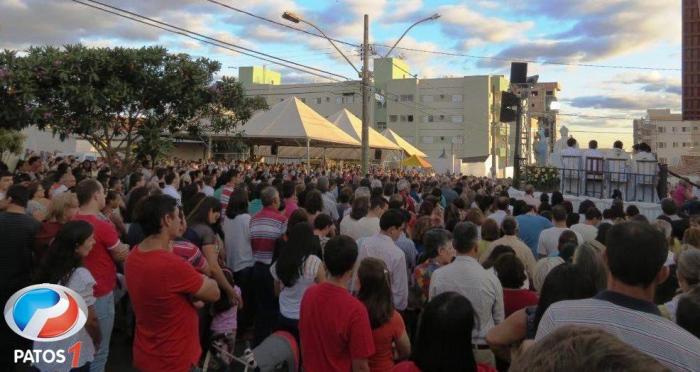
x: 431, y: 18
x: 295, y: 18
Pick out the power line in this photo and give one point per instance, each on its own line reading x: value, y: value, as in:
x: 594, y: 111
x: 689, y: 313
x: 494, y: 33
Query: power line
x: 449, y: 53
x: 209, y: 40
x: 280, y: 23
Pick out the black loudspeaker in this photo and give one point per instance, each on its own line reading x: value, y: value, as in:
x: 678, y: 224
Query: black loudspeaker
x: 518, y: 73
x: 377, y: 154
x: 509, y: 103
x: 274, y: 149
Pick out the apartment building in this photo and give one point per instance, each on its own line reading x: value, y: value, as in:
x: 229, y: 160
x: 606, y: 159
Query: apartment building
x: 669, y: 136
x: 451, y: 119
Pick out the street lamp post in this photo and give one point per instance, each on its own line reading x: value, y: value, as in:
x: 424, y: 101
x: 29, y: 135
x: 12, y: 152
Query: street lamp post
x: 431, y: 18
x: 364, y: 74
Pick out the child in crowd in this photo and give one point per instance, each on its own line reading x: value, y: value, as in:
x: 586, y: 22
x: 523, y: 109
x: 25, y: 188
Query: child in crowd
x: 224, y: 325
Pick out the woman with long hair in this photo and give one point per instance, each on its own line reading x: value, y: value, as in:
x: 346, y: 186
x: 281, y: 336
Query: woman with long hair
x: 444, y: 338
x: 295, y: 270
x: 203, y: 217
x: 387, y: 325
x: 422, y: 226
x: 63, y: 265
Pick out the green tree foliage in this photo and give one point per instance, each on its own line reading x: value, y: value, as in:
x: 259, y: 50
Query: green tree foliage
x: 11, y: 141
x: 126, y: 102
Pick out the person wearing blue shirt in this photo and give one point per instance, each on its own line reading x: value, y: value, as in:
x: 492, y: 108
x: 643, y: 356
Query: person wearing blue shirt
x: 530, y: 224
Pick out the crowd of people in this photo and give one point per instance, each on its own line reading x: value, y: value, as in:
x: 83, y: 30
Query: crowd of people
x: 388, y: 271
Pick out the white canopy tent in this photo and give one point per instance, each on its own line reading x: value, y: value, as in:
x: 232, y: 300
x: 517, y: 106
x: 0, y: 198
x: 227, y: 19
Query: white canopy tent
x: 352, y: 125
x: 403, y: 144
x: 293, y: 123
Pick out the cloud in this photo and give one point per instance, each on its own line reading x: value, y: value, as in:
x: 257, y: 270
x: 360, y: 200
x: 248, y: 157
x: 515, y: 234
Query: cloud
x: 599, y: 30
x: 407, y: 12
x: 627, y: 102
x: 651, y: 82
x: 462, y: 22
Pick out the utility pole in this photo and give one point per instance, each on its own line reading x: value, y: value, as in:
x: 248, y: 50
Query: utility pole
x: 365, y: 98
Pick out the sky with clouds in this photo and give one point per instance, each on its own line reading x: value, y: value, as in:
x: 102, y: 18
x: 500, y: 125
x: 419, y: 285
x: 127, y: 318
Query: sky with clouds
x: 574, y: 34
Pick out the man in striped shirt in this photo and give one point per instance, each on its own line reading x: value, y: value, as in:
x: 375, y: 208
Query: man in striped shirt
x: 265, y: 228
x: 635, y: 254
x: 224, y: 192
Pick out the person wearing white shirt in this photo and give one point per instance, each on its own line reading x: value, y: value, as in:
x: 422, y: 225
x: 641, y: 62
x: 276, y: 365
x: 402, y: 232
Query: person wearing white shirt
x: 209, y: 182
x: 330, y: 206
x: 502, y: 203
x: 588, y: 229
x: 172, y: 182
x: 644, y: 173
x: 571, y: 165
x: 482, y: 288
x: 383, y: 246
x: 366, y: 226
x: 548, y: 244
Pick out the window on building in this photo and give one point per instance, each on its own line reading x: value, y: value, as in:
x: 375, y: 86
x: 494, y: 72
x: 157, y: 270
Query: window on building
x: 684, y: 129
x: 442, y: 117
x: 281, y: 99
x: 427, y: 98
x: 661, y: 129
x: 349, y: 100
x: 393, y: 118
x: 303, y: 100
x: 406, y: 98
x: 661, y: 145
x: 428, y: 119
x: 410, y: 118
x: 338, y: 100
x: 458, y: 140
x: 328, y: 99
x: 457, y: 118
x: 535, y: 93
x: 673, y: 129
x: 550, y: 92
x: 663, y: 161
x: 381, y: 125
x: 402, y: 118
x: 456, y: 98
x: 675, y: 144
x: 319, y: 100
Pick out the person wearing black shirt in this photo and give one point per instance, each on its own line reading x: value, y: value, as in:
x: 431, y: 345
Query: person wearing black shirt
x: 18, y: 231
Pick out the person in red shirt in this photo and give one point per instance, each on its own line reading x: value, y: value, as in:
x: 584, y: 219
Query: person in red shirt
x: 334, y: 327
x: 107, y: 250
x: 162, y: 287
x: 444, y: 338
x: 511, y: 272
x: 387, y: 325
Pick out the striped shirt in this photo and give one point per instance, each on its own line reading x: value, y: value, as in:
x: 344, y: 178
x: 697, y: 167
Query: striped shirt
x: 636, y: 322
x: 191, y: 253
x: 265, y: 227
